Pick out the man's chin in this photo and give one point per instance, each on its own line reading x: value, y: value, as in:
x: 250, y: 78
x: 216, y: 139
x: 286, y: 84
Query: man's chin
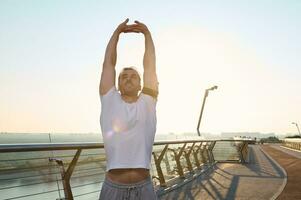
x: 130, y: 93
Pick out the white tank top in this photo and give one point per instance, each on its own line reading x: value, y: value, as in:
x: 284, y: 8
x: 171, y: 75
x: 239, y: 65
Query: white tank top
x: 128, y: 130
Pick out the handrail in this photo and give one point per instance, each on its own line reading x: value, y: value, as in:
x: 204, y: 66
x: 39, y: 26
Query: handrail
x: 5, y: 148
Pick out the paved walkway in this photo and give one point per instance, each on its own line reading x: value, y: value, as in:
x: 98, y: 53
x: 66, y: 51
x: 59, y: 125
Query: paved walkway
x: 261, y: 178
x: 287, y: 150
x: 291, y: 161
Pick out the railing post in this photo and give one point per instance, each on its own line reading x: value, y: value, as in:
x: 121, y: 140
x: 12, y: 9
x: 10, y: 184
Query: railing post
x: 167, y: 162
x: 210, y: 148
x: 202, y: 151
x: 178, y: 161
x: 158, y: 166
x: 195, y: 152
x: 207, y: 152
x: 242, y: 150
x: 187, y: 156
x: 66, y: 175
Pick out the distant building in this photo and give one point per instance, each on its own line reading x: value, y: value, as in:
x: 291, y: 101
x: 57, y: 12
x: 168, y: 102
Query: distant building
x: 227, y: 135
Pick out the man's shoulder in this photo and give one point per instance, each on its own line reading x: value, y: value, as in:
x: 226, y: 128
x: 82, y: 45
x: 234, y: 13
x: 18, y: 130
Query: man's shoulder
x: 109, y: 91
x: 147, y: 99
x: 150, y: 92
x: 112, y: 93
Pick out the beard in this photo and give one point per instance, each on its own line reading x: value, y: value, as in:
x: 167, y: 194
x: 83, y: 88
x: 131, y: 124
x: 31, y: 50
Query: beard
x: 129, y: 90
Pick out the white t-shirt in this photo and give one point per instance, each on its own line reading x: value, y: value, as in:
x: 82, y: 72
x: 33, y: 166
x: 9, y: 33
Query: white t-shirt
x: 128, y: 130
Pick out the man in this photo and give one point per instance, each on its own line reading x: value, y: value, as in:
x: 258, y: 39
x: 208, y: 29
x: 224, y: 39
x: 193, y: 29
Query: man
x: 128, y: 120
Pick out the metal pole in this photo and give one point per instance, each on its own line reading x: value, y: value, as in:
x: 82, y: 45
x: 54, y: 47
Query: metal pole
x: 297, y: 127
x: 201, y: 114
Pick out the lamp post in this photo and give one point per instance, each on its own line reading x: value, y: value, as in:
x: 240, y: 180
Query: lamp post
x: 203, y: 105
x: 297, y: 127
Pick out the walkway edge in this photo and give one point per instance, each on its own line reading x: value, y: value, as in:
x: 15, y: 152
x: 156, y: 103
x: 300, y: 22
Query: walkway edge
x: 290, y: 149
x: 284, y: 172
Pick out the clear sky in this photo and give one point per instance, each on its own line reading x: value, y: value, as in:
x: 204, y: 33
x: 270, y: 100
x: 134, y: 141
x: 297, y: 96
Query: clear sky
x: 51, y: 54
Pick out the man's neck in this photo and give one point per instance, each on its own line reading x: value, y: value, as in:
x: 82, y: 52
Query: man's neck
x: 129, y: 99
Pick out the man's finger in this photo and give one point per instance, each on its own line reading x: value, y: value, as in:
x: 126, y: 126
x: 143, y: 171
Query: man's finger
x: 132, y: 31
x: 139, y: 23
x: 136, y: 30
x: 126, y: 21
x: 133, y: 26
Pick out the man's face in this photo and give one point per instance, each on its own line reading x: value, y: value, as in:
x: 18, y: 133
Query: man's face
x: 129, y: 82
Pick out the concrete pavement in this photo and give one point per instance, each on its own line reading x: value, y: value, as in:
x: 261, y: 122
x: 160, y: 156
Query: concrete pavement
x: 261, y: 178
x: 291, y: 162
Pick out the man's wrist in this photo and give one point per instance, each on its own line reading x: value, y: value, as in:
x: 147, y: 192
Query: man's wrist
x: 147, y: 33
x: 117, y: 31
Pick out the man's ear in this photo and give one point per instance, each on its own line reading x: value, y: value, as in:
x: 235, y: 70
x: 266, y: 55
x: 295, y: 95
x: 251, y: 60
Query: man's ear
x: 118, y: 87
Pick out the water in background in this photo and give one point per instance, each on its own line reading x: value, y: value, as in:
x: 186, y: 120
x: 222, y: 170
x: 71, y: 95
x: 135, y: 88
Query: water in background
x: 14, y: 138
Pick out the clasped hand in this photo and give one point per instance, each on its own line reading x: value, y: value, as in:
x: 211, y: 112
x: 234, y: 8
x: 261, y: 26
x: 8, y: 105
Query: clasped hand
x: 137, y: 27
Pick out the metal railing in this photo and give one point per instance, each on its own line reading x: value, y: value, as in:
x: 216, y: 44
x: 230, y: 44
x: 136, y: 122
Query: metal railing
x: 78, y: 169
x: 292, y: 143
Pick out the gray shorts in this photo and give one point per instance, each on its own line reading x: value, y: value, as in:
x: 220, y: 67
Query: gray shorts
x: 143, y: 190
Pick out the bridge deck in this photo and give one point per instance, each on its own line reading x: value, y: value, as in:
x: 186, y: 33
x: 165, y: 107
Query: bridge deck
x: 290, y: 160
x: 260, y: 178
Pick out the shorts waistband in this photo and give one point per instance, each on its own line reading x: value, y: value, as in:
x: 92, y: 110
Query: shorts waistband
x: 127, y: 185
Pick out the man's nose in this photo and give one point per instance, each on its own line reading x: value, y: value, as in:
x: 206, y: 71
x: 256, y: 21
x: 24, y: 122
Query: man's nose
x: 128, y: 80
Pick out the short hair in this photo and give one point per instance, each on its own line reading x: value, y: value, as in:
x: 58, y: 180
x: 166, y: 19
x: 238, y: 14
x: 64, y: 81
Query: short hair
x: 128, y: 68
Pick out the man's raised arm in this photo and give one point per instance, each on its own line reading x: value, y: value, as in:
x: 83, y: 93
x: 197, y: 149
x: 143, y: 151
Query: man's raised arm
x: 108, y: 74
x: 149, y: 60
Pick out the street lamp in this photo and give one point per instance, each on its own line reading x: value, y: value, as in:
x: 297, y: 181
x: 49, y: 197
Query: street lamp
x: 297, y: 127
x: 204, y: 100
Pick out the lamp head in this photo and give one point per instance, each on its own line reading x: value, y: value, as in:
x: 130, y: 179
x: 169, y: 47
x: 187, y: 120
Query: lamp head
x: 213, y: 88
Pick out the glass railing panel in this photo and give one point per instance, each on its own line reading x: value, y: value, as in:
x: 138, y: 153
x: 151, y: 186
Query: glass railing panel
x: 168, y: 163
x: 227, y: 150
x: 293, y: 143
x: 29, y: 173
x: 173, y: 165
x: 26, y: 174
x: 88, y: 174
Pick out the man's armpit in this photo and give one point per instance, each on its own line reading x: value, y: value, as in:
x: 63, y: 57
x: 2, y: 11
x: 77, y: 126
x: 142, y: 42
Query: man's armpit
x: 108, y: 94
x: 150, y: 92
